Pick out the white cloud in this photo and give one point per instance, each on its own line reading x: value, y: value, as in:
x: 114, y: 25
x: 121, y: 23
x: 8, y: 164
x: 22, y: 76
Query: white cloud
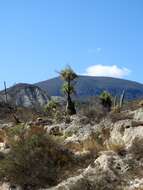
x: 106, y: 70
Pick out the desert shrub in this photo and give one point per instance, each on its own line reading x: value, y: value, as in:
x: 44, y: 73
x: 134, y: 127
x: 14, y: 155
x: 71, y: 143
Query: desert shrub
x: 106, y: 100
x: 55, y: 111
x: 34, y: 161
x: 141, y: 103
x: 117, y: 116
x: 115, y: 145
x: 92, y: 114
x: 51, y: 107
x: 67, y: 119
x: 132, y: 105
x: 116, y: 109
x: 31, y: 113
x: 91, y: 110
x: 2, y: 155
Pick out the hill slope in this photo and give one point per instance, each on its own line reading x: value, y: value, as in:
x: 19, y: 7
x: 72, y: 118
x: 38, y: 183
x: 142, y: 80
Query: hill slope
x: 87, y: 86
x: 26, y: 95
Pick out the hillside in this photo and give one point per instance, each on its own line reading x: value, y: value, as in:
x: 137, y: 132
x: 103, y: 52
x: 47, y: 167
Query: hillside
x: 37, y: 95
x: 87, y: 86
x: 83, y: 153
x: 25, y: 95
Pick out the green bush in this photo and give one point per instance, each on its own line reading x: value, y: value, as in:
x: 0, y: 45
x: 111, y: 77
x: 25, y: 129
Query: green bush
x: 51, y: 106
x: 54, y: 110
x: 106, y: 100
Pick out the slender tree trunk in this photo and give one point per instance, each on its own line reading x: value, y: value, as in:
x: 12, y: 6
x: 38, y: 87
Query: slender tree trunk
x: 5, y: 90
x: 70, y: 108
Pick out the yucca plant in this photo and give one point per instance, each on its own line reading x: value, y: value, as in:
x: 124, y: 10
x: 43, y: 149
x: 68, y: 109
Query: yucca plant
x: 106, y: 100
x: 68, y: 75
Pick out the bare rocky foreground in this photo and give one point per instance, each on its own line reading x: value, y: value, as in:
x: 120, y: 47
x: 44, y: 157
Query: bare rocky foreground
x: 111, y: 151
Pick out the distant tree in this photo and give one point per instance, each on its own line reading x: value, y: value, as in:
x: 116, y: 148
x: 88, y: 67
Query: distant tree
x: 68, y: 75
x: 106, y: 100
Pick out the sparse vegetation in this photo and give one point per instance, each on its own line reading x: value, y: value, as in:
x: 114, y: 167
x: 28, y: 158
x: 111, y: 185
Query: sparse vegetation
x: 92, y: 115
x: 118, y: 102
x: 34, y: 161
x: 141, y: 103
x: 51, y: 106
x: 55, y: 111
x: 116, y: 146
x: 117, y: 115
x: 50, y: 145
x: 116, y: 109
x: 92, y: 111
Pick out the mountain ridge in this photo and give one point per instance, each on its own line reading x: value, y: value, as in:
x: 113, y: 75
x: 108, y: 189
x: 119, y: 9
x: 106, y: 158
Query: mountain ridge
x: 38, y: 94
x: 87, y: 86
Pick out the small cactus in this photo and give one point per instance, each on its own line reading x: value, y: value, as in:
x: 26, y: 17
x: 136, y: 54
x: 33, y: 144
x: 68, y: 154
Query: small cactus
x: 118, y: 103
x: 122, y: 98
x: 115, y: 101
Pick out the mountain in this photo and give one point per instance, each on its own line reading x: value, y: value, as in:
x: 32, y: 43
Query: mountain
x: 26, y: 95
x: 87, y: 86
x: 37, y: 95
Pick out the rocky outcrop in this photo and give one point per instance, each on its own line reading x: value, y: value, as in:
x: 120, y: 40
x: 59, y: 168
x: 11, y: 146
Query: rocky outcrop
x: 25, y: 95
x: 115, y: 150
x: 128, y: 135
x: 119, y: 150
x: 138, y: 114
x: 106, y: 172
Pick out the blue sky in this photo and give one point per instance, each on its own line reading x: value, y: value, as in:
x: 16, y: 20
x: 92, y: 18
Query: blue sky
x: 95, y: 37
